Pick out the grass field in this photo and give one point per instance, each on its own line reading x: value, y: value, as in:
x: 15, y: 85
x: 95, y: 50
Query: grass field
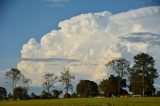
x: 148, y: 101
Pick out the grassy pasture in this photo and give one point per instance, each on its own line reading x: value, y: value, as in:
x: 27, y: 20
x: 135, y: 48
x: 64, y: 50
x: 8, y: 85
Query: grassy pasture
x: 147, y: 101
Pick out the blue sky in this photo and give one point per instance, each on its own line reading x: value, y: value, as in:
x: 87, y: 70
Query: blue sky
x: 21, y: 20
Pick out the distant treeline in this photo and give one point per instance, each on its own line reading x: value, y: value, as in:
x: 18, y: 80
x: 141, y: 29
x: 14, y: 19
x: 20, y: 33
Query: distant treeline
x: 138, y: 78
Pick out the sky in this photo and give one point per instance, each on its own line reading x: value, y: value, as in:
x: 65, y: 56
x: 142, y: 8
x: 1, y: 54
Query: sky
x: 21, y: 20
x: 39, y: 36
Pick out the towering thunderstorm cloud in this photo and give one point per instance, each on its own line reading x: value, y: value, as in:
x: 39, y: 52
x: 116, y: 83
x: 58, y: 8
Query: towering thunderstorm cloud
x: 88, y: 41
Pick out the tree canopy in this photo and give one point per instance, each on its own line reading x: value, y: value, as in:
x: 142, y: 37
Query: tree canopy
x: 143, y: 74
x: 49, y: 81
x: 109, y: 86
x: 86, y: 88
x: 66, y: 79
x: 121, y: 67
x: 20, y: 93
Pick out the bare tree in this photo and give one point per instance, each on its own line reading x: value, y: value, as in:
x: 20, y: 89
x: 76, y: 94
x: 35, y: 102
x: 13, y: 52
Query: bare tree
x: 49, y: 81
x: 26, y: 82
x: 14, y: 75
x: 66, y: 78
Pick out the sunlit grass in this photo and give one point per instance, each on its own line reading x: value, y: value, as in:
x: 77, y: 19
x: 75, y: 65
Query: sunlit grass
x: 148, y: 101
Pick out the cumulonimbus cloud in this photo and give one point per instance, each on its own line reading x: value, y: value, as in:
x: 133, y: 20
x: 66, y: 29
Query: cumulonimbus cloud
x: 93, y: 39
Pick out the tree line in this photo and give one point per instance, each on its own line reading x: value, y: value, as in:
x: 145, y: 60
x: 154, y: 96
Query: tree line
x: 129, y: 79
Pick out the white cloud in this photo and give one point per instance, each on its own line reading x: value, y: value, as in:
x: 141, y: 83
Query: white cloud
x: 56, y: 3
x: 93, y: 39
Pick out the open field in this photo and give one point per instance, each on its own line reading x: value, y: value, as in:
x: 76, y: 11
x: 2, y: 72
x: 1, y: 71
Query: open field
x: 148, y: 101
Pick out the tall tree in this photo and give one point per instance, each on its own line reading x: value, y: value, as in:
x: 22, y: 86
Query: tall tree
x: 86, y: 88
x: 120, y: 66
x: 66, y: 79
x: 49, y: 81
x: 144, y: 67
x: 15, y: 76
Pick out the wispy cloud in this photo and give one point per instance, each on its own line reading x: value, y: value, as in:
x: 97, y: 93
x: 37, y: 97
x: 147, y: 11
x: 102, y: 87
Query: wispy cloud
x: 56, y: 3
x: 146, y: 37
x: 50, y: 59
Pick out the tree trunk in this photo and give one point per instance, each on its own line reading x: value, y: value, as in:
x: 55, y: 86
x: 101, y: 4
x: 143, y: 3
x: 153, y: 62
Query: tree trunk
x: 118, y: 87
x: 143, y: 93
x: 48, y: 92
x: 13, y: 89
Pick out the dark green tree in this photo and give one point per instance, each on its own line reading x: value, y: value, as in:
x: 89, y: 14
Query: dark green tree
x: 121, y: 67
x: 48, y: 82
x: 3, y: 93
x: 56, y: 93
x: 74, y: 95
x: 66, y: 79
x: 109, y: 86
x: 158, y: 93
x: 136, y: 84
x: 10, y: 96
x: 143, y: 74
x: 105, y: 87
x: 67, y: 95
x: 44, y: 95
x: 20, y: 93
x: 34, y: 96
x: 86, y: 88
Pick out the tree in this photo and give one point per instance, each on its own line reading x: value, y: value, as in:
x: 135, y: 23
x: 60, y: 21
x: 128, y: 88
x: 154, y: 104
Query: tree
x: 49, y: 81
x: 66, y: 78
x: 143, y: 74
x: 136, y: 84
x: 56, y: 93
x: 121, y: 67
x: 158, y: 93
x: 105, y: 87
x: 20, y: 93
x: 114, y: 85
x: 34, y: 96
x: 74, y: 95
x: 26, y: 82
x: 86, y: 88
x: 15, y: 76
x: 10, y: 96
x: 3, y: 93
x: 110, y: 85
x: 44, y: 94
x: 67, y: 95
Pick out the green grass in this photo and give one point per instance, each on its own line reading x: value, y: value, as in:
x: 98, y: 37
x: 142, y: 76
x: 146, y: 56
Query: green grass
x: 148, y: 101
